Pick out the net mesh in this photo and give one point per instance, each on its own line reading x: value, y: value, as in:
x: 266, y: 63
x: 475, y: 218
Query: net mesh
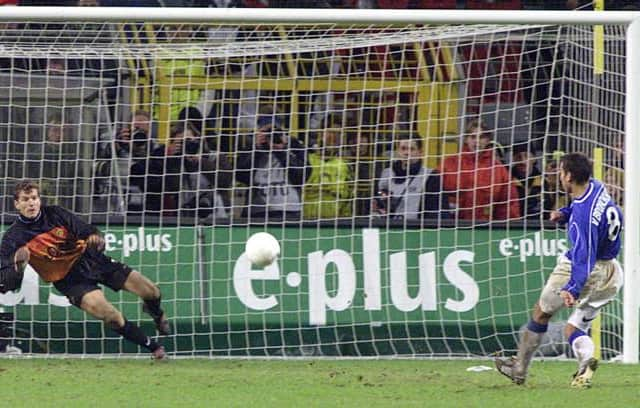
x: 345, y: 142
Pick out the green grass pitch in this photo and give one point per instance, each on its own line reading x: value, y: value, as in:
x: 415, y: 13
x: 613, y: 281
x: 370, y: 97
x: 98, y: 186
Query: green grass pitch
x: 304, y: 383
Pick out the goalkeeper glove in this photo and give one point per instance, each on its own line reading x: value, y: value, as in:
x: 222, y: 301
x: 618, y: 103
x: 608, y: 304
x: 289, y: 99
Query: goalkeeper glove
x: 11, y: 279
x: 96, y: 242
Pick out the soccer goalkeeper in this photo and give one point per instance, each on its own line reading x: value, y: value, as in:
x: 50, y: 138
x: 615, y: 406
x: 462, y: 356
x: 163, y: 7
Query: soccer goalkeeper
x: 587, y: 277
x: 68, y: 252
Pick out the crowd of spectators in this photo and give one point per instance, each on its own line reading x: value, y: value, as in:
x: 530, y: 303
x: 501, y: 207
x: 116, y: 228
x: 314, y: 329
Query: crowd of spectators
x: 283, y: 179
x: 333, y: 175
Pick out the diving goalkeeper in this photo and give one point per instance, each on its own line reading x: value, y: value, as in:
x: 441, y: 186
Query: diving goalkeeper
x: 68, y: 252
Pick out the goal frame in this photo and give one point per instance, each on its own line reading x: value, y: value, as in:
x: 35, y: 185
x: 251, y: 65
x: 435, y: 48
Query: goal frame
x: 630, y: 19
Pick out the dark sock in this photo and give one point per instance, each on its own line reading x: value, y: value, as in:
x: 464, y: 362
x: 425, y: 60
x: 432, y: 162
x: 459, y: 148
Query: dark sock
x: 153, y: 308
x: 133, y: 333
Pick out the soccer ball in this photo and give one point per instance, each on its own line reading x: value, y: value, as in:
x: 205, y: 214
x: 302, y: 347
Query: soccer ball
x: 262, y: 249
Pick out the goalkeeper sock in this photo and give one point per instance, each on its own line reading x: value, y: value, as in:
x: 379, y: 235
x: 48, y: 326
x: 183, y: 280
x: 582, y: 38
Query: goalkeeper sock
x: 529, y: 343
x: 134, y: 334
x: 152, y: 306
x: 582, y: 346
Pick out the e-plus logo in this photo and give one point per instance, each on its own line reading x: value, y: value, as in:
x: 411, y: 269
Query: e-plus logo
x: 337, y: 266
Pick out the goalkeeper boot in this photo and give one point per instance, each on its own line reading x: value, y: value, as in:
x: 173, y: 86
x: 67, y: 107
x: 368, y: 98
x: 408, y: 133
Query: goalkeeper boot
x: 162, y: 324
x: 582, y: 378
x: 510, y: 367
x: 159, y: 354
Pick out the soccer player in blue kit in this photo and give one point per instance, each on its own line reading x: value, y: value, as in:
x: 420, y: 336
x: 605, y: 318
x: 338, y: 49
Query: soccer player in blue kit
x: 586, y: 278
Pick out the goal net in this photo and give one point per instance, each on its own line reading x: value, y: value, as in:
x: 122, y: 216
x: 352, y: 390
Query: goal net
x: 406, y: 171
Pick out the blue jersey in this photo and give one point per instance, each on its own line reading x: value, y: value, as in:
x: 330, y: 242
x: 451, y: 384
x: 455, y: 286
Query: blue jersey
x: 594, y: 224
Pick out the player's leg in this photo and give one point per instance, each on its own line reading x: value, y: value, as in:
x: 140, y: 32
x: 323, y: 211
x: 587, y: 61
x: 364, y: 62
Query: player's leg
x: 602, y: 287
x: 550, y: 302
x: 140, y: 285
x: 533, y: 333
x: 576, y: 331
x: 119, y: 276
x: 98, y: 306
x: 516, y: 368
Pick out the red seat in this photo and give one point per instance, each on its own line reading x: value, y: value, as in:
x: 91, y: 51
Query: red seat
x: 393, y: 4
x: 254, y: 4
x: 494, y: 5
x: 436, y: 4
x: 493, y: 71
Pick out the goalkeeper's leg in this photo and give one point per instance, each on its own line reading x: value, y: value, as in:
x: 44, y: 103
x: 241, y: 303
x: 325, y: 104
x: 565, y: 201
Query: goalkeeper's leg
x: 98, y: 306
x: 150, y: 294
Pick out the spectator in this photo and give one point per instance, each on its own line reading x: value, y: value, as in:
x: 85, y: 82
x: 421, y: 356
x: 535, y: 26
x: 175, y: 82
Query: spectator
x: 479, y: 185
x: 409, y: 190
x: 328, y: 192
x: 553, y: 197
x: 55, y: 131
x: 131, y: 144
x: 182, y: 62
x: 614, y: 180
x: 528, y: 179
x: 362, y: 165
x: 192, y: 117
x: 136, y: 135
x: 498, y: 150
x: 358, y: 150
x: 56, y: 66
x: 615, y: 154
x: 274, y: 171
x: 184, y: 177
x: 58, y: 160
x: 614, y: 168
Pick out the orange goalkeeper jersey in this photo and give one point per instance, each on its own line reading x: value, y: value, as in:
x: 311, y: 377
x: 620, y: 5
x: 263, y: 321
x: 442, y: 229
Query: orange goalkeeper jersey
x: 55, y: 238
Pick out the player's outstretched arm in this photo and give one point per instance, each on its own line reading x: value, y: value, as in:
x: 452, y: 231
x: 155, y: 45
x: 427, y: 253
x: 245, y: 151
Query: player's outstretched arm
x: 557, y: 216
x: 12, y: 270
x: 21, y: 258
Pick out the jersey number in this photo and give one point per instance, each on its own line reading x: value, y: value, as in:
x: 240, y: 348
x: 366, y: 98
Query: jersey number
x: 613, y: 219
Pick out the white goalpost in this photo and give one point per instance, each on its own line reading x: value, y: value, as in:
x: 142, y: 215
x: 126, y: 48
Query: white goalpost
x: 181, y: 188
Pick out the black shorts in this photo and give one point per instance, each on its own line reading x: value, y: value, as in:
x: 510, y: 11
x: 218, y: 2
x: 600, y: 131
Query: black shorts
x: 89, y: 271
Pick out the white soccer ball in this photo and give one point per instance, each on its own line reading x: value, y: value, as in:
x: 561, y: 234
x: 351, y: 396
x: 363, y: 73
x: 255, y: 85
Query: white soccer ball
x: 262, y: 249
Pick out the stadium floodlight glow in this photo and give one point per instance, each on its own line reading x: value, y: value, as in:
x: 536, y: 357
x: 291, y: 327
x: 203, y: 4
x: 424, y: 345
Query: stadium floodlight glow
x: 554, y: 81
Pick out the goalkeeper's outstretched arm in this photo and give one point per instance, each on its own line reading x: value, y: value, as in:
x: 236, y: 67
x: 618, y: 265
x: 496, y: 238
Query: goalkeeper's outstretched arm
x: 12, y: 264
